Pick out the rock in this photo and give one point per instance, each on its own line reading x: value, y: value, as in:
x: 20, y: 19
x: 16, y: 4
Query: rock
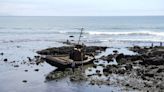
x: 89, y: 69
x: 37, y: 57
x: 106, y: 73
x: 115, y: 51
x: 16, y: 65
x: 120, y: 71
x: 143, y: 77
x: 98, y: 71
x: 139, y: 72
x: 153, y: 61
x: 24, y: 81
x: 26, y: 70
x: 99, y: 75
x: 108, y: 58
x: 92, y: 82
x: 66, y: 50
x: 2, y: 53
x: 119, y: 57
x: 160, y: 85
x: 11, y: 41
x: 127, y: 85
x: 36, y: 70
x: 105, y: 70
x: 102, y: 65
x: 110, y: 69
x: 89, y: 75
x: 96, y: 61
x: 71, y: 36
x: 94, y: 66
x: 13, y: 62
x: 5, y: 60
x: 77, y: 77
x: 73, y: 78
x: 128, y: 67
x: 149, y: 74
x: 158, y: 52
x: 18, y: 46
x: 29, y: 59
x: 160, y: 70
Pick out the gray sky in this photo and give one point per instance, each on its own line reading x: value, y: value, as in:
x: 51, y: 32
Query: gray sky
x: 81, y: 7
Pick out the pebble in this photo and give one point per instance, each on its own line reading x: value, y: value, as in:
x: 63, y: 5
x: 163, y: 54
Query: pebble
x: 5, y: 60
x: 29, y: 59
x: 2, y: 53
x: 24, y: 81
x: 26, y: 70
x: 71, y: 36
x: 16, y: 65
x: 36, y: 70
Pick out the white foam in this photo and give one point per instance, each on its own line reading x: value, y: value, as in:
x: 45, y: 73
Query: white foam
x: 127, y: 33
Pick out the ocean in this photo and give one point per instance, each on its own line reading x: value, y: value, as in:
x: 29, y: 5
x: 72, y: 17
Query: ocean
x: 22, y: 37
x: 96, y: 29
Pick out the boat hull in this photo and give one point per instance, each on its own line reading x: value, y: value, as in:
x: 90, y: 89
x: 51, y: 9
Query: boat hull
x: 66, y: 63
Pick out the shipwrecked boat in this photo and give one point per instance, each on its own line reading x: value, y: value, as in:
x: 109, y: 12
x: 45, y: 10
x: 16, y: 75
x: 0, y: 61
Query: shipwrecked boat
x: 78, y: 54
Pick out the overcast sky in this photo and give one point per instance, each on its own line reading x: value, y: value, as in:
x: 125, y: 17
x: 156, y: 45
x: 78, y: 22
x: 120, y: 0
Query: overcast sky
x: 81, y: 7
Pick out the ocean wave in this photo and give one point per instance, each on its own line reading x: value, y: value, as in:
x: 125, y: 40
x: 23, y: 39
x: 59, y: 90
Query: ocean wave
x: 144, y: 33
x: 128, y: 27
x: 28, y: 30
x: 128, y: 33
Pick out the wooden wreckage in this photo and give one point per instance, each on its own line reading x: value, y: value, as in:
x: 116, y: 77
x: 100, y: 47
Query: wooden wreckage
x: 76, y: 54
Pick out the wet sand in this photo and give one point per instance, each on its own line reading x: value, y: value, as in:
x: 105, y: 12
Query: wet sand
x: 20, y: 73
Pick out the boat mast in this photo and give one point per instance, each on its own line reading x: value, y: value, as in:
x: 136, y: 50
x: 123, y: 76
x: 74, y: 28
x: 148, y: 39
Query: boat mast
x: 82, y: 70
x: 80, y: 35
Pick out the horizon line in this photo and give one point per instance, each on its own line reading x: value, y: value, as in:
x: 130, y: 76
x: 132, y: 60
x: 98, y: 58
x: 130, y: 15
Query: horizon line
x: 86, y: 16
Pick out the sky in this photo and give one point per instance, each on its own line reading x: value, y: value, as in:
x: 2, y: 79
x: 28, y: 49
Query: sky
x: 81, y: 7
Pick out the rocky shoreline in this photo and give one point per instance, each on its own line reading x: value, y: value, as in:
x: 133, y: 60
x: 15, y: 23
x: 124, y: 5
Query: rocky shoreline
x: 142, y: 72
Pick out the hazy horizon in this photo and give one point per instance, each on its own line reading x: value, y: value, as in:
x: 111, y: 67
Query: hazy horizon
x: 81, y: 8
x: 89, y: 16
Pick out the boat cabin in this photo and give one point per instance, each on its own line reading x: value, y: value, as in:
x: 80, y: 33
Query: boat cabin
x: 77, y: 54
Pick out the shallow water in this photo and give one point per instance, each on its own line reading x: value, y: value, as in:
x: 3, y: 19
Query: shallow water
x: 11, y: 77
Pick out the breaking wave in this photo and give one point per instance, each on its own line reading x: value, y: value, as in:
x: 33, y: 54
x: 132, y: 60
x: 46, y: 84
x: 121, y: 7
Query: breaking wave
x: 146, y: 33
x: 129, y: 33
